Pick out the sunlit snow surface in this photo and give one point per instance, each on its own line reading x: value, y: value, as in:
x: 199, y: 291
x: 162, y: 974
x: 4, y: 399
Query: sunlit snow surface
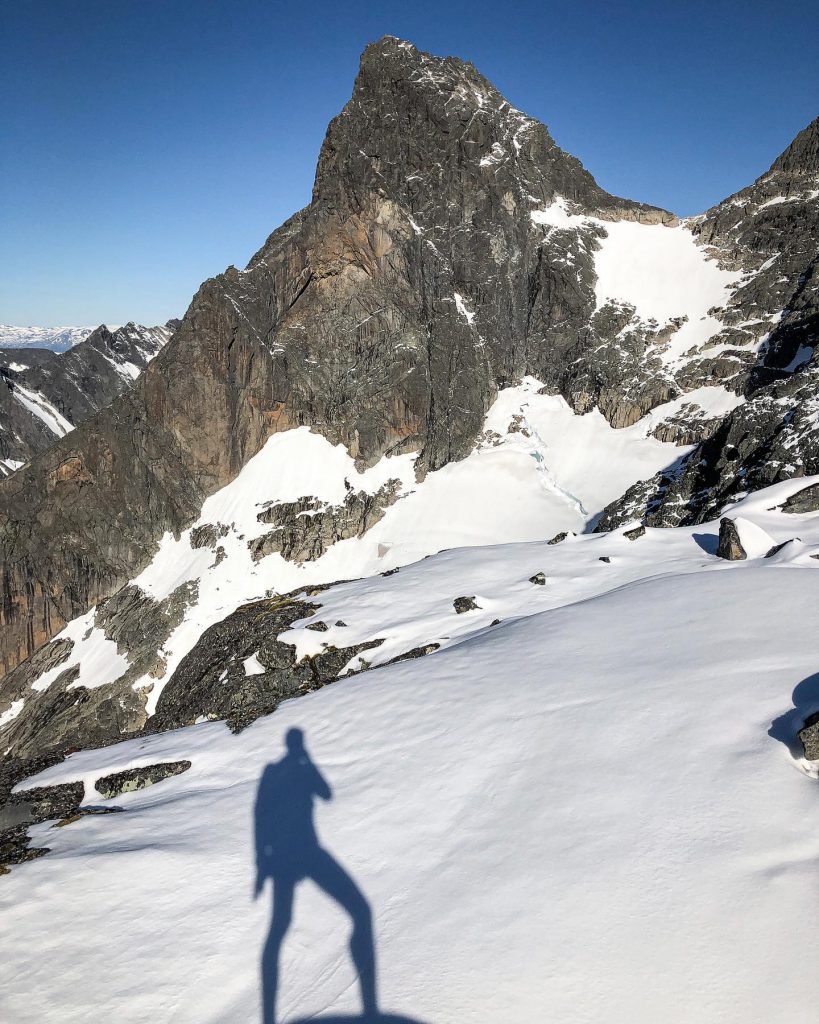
x: 575, y: 815
x: 657, y: 269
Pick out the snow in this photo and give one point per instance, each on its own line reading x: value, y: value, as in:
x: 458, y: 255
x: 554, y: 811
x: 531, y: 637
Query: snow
x: 253, y: 666
x: 9, y: 466
x: 463, y: 309
x: 664, y: 274
x: 97, y: 657
x: 11, y: 712
x: 753, y: 538
x: 557, y: 215
x: 40, y: 407
x: 58, y: 339
x: 578, y: 808
x: 585, y: 457
x: 714, y: 400
x: 658, y: 269
x: 17, y: 367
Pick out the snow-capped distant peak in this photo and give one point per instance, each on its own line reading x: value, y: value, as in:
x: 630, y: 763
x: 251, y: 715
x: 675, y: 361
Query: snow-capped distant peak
x: 57, y: 339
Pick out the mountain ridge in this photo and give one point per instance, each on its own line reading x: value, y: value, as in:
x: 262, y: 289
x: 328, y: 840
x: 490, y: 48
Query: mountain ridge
x: 439, y: 260
x: 45, y: 393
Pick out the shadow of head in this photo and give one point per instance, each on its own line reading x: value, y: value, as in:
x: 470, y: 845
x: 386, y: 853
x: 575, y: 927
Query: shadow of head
x: 294, y: 741
x: 786, y: 727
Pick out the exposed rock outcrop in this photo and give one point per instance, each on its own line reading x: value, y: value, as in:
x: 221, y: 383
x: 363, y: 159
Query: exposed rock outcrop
x: 212, y: 681
x: 306, y: 528
x: 806, y: 500
x: 132, y: 779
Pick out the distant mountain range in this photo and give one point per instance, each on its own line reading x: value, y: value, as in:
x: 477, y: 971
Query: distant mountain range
x: 47, y: 390
x: 57, y: 339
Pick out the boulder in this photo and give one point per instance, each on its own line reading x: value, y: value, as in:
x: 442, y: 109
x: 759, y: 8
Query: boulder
x: 730, y: 546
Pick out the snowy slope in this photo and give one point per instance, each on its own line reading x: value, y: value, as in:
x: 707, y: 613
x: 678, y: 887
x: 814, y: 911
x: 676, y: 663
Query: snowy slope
x: 670, y: 280
x: 578, y: 814
x: 541, y: 469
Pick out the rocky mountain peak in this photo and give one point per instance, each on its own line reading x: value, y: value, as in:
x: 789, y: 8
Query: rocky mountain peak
x: 420, y: 128
x: 802, y: 156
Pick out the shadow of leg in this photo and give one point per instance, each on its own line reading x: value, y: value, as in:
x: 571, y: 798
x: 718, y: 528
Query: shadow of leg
x: 330, y: 876
x: 282, y: 915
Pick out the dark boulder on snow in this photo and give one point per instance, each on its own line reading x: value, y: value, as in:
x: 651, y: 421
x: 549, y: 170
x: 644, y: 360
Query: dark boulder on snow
x: 211, y: 681
x: 465, y: 604
x: 45, y: 803
x: 539, y: 579
x: 41, y: 804
x: 730, y: 546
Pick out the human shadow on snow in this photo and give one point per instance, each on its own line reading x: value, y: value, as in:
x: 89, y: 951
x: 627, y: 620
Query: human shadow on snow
x: 288, y: 852
x: 786, y: 727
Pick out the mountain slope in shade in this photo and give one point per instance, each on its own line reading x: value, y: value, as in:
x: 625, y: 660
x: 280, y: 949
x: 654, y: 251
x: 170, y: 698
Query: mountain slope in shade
x: 533, y: 813
x: 44, y: 394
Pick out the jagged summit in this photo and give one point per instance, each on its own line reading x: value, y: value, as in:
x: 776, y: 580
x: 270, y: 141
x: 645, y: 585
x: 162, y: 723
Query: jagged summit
x: 417, y: 123
x: 802, y: 156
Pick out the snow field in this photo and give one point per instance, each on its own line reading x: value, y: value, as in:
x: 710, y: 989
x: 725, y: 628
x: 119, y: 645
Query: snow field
x: 575, y: 813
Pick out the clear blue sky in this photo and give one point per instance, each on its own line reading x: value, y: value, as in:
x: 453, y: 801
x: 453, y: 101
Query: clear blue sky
x: 147, y: 144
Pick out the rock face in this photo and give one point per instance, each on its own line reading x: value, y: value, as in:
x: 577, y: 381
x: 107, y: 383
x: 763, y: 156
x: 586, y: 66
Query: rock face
x: 306, y: 528
x: 44, y: 393
x: 766, y: 353
x: 806, y: 500
x: 213, y: 680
